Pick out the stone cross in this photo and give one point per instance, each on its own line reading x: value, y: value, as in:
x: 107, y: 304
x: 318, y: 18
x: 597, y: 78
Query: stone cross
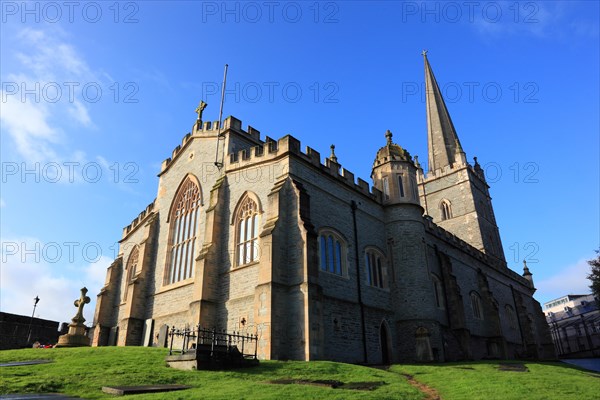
x: 200, y: 109
x: 83, y: 300
x: 424, y: 53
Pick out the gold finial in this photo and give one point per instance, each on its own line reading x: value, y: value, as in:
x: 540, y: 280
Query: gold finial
x: 200, y: 108
x: 333, y: 157
x: 424, y: 53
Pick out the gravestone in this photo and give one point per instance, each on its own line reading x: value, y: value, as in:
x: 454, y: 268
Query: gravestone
x: 76, y: 336
x: 125, y: 390
x: 147, y: 332
x: 163, y: 336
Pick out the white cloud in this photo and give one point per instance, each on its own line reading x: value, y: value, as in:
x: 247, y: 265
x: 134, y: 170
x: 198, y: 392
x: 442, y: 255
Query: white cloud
x: 43, y: 97
x: 28, y: 125
x: 538, y: 19
x: 27, y: 274
x: 570, y: 280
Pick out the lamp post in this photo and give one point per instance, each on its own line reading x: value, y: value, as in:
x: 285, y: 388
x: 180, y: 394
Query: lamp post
x: 35, y: 301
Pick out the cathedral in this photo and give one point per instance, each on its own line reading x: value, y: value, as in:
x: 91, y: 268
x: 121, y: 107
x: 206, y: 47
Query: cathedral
x: 267, y: 239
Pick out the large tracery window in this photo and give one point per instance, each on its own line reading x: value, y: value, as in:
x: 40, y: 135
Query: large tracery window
x: 182, y: 238
x: 247, y: 232
x: 131, y: 269
x: 333, y: 253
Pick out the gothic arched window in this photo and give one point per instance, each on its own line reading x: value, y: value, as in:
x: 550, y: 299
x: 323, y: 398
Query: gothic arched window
x: 386, y: 187
x: 445, y: 210
x: 400, y: 185
x: 332, y: 250
x: 246, y: 223
x: 376, y: 269
x: 182, y: 236
x: 131, y: 269
x: 476, y: 305
x: 438, y: 291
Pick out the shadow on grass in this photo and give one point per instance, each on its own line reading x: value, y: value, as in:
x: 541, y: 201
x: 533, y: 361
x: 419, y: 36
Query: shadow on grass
x: 467, y: 365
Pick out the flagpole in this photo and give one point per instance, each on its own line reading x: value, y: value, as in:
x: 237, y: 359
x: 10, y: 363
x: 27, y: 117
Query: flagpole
x: 218, y: 163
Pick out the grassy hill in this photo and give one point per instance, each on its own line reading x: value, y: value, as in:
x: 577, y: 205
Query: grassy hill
x: 83, y: 371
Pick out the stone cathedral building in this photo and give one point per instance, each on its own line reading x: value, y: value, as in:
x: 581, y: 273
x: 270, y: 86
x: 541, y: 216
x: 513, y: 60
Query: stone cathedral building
x: 269, y: 240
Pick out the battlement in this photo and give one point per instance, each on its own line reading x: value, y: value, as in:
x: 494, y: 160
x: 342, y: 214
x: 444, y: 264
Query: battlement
x: 270, y: 149
x: 208, y: 129
x: 139, y: 219
x: 448, y: 169
x: 454, y: 240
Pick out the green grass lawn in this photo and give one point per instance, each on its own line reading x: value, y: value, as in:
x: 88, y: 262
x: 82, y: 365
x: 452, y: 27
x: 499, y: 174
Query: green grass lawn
x: 83, y: 371
x: 483, y: 380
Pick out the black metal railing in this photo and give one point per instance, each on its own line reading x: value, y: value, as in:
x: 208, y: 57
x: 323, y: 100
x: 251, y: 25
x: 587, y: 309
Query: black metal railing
x: 213, y: 341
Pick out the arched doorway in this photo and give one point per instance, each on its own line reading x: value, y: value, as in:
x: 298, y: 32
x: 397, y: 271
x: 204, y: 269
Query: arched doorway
x: 385, y: 343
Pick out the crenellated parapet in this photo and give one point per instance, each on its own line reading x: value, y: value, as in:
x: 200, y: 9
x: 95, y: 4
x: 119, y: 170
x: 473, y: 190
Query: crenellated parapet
x: 210, y: 129
x: 271, y: 149
x: 457, y: 242
x: 448, y: 169
x: 147, y: 212
x: 268, y: 150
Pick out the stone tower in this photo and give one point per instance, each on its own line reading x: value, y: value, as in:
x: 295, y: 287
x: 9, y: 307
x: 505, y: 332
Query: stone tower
x: 411, y: 292
x: 453, y: 192
x: 394, y: 173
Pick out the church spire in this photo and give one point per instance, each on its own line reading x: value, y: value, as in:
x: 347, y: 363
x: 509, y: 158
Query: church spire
x: 443, y: 144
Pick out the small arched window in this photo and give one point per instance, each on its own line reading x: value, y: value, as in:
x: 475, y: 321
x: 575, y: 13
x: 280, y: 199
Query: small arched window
x: 476, y: 305
x: 438, y: 291
x: 511, y: 316
x: 386, y: 187
x: 182, y: 237
x: 400, y: 185
x: 377, y: 275
x: 445, y: 210
x: 332, y: 251
x: 246, y: 223
x: 415, y: 190
x: 131, y: 269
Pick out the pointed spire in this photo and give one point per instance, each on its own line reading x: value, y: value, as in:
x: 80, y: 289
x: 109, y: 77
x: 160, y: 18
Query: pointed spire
x: 443, y: 144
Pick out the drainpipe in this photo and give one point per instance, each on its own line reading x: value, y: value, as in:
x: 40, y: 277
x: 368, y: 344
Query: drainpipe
x: 354, y: 206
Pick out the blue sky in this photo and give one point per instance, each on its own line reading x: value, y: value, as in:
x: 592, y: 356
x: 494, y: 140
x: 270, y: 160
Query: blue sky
x: 95, y: 95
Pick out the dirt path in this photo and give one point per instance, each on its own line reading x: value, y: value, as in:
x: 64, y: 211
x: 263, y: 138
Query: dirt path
x: 430, y: 392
